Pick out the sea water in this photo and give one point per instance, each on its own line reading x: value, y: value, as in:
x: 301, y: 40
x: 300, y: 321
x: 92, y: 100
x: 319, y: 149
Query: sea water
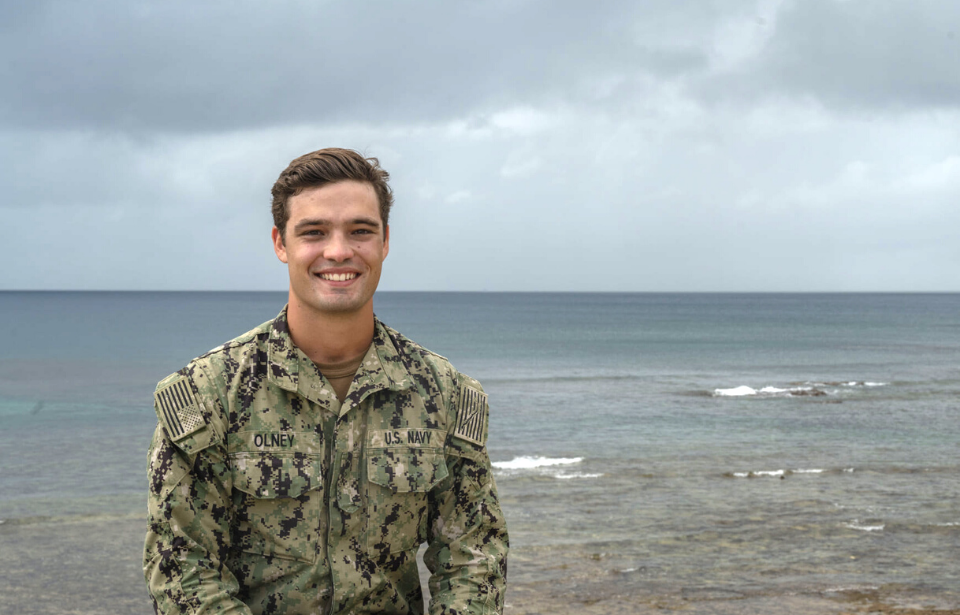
x: 696, y: 445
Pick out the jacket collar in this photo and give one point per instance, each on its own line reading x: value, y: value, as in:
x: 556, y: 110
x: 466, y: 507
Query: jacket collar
x: 282, y: 356
x: 382, y: 366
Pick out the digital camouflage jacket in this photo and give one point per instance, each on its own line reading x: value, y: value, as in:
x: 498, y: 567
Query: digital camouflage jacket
x: 269, y: 496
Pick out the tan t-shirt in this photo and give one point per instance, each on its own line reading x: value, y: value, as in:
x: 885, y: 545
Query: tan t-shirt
x: 341, y: 374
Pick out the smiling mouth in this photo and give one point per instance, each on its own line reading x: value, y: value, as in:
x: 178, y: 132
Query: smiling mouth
x: 338, y: 277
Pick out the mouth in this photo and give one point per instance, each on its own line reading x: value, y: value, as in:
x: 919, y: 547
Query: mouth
x: 338, y: 277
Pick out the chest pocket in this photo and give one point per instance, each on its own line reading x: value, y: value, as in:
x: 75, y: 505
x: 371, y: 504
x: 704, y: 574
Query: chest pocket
x: 398, y: 480
x: 278, y: 498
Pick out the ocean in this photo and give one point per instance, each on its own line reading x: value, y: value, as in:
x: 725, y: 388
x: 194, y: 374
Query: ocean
x: 710, y: 453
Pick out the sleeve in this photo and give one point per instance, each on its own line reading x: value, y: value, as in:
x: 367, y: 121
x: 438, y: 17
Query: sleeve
x: 467, y: 532
x: 189, y: 508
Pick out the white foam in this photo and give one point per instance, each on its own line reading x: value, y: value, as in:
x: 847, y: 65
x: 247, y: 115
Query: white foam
x: 564, y: 476
x: 848, y: 469
x: 864, y: 528
x: 781, y: 472
x: 759, y: 473
x: 739, y: 391
x: 860, y: 383
x: 851, y: 588
x: 775, y: 390
x: 530, y: 463
x: 745, y: 391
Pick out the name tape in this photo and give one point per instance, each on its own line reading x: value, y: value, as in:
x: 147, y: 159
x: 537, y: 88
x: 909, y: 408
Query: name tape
x: 386, y: 438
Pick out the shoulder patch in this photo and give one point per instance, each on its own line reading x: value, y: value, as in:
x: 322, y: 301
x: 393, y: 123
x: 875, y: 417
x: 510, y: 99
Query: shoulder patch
x: 471, y: 415
x: 178, y: 408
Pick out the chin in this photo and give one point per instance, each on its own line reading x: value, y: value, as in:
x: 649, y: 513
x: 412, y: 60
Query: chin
x: 344, y: 306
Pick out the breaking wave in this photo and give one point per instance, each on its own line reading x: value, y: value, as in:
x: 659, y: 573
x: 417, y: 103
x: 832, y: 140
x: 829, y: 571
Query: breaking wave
x: 565, y: 476
x: 785, y: 472
x: 806, y: 389
x: 556, y: 467
x: 530, y: 463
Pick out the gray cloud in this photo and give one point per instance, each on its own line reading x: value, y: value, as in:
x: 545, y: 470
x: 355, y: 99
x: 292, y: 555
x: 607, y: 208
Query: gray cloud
x: 776, y: 145
x: 220, y: 66
x: 854, y: 56
x: 217, y: 66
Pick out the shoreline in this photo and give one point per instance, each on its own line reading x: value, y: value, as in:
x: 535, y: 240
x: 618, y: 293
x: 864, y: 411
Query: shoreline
x: 91, y: 565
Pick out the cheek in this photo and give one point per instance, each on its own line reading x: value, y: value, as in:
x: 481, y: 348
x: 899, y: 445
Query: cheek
x: 373, y: 255
x: 304, y: 256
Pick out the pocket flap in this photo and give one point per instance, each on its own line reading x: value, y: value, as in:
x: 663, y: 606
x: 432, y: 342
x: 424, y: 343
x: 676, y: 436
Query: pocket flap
x: 405, y: 470
x: 275, y: 475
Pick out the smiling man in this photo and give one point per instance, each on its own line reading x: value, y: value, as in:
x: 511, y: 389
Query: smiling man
x: 299, y: 467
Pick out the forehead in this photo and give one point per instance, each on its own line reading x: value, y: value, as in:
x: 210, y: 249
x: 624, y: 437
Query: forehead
x: 338, y: 200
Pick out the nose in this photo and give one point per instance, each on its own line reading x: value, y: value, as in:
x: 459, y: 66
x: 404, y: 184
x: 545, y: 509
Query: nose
x: 338, y: 248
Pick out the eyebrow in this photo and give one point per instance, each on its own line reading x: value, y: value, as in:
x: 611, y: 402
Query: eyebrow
x: 371, y: 222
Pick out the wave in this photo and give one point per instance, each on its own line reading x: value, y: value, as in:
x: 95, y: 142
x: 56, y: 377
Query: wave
x: 770, y: 391
x: 759, y: 473
x: 531, y: 463
x: 784, y: 472
x: 739, y: 391
x: 874, y: 523
x: 556, y: 467
x: 851, y: 588
x: 844, y: 383
x: 563, y: 378
x: 805, y: 389
x: 564, y: 476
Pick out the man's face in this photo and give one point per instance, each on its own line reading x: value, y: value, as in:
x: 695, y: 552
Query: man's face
x: 334, y: 247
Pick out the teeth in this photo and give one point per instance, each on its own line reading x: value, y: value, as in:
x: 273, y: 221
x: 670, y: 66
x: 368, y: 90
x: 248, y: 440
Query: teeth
x: 338, y: 277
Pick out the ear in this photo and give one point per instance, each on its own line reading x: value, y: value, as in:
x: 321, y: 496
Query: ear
x: 386, y: 241
x: 278, y: 246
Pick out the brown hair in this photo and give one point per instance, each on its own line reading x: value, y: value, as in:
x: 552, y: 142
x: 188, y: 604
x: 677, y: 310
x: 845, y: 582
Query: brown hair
x: 326, y: 166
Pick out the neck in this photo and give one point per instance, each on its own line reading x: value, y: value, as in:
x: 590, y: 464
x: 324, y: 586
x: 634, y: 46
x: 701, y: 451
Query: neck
x: 330, y: 337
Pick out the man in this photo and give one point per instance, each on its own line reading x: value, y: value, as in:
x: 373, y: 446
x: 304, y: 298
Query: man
x: 299, y: 467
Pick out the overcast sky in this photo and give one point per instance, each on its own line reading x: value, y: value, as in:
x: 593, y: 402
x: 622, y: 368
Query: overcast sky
x: 806, y: 145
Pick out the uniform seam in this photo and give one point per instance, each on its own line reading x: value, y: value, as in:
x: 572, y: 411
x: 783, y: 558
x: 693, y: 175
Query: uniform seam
x: 245, y: 338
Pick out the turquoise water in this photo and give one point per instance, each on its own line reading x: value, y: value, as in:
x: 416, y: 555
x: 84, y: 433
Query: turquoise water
x: 618, y: 459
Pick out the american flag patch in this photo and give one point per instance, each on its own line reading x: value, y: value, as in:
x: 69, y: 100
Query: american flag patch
x: 471, y: 415
x: 178, y: 408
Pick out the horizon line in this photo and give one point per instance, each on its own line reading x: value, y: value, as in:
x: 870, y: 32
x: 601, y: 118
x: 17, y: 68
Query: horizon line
x: 597, y: 292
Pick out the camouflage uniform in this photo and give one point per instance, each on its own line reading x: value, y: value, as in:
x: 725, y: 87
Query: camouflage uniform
x: 267, y: 495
